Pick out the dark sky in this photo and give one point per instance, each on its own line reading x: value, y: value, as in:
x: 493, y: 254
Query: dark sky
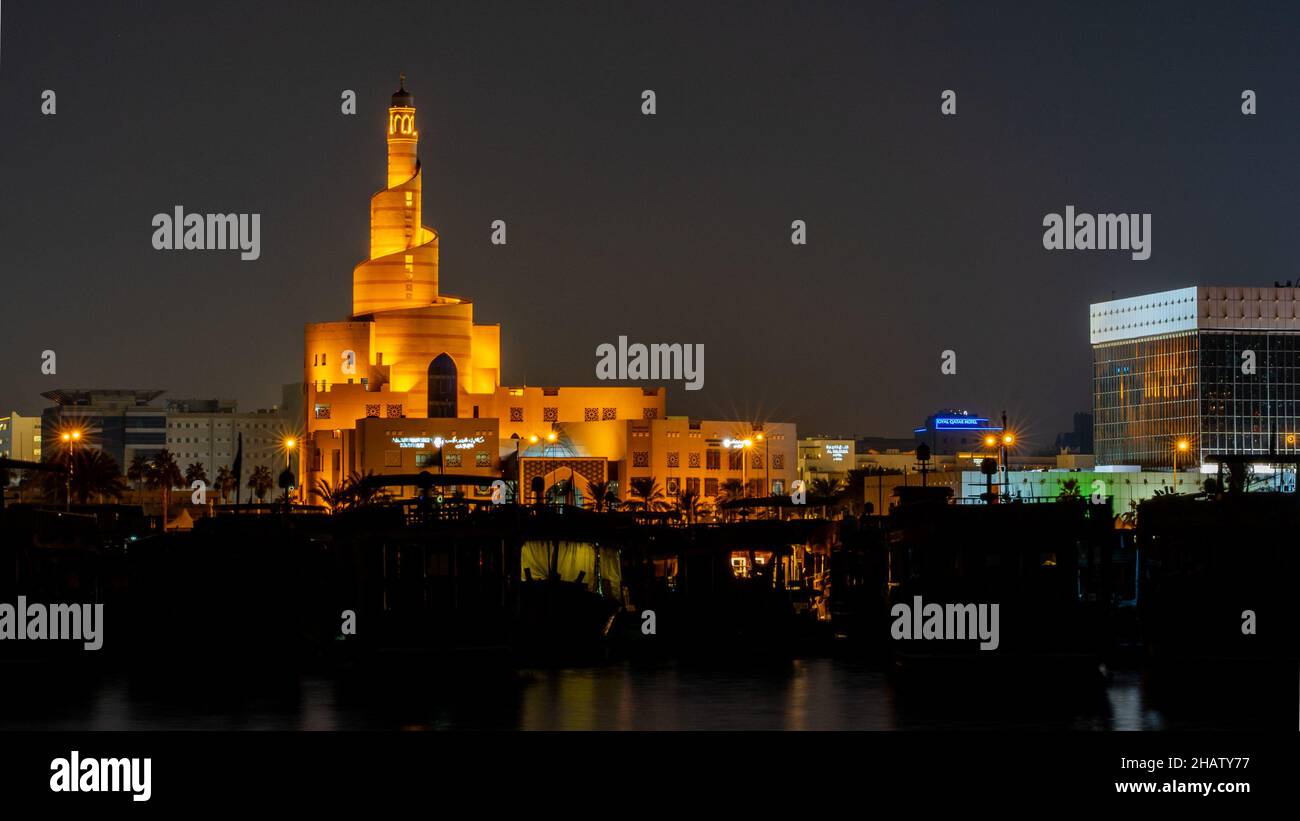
x: 924, y: 231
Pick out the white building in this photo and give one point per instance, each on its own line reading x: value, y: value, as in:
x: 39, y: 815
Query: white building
x: 207, y: 431
x: 821, y: 458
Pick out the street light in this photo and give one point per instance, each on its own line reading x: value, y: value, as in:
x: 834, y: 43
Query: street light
x: 741, y: 445
x: 438, y: 442
x: 520, y: 491
x: 1182, y: 445
x: 70, y: 438
x: 1008, y: 439
x: 551, y: 438
x: 286, y: 475
x: 1290, y: 442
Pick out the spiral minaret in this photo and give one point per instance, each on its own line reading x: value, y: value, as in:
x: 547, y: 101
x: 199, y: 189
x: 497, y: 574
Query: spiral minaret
x: 402, y: 271
x: 409, y: 360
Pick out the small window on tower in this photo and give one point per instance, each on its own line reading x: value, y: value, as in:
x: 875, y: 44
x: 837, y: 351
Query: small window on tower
x: 410, y: 197
x: 410, y: 263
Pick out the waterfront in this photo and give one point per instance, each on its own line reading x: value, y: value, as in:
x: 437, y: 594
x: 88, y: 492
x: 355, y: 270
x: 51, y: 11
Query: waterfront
x: 802, y: 694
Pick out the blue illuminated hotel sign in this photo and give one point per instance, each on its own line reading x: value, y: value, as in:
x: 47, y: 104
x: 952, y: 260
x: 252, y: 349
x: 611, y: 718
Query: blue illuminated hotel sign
x: 960, y: 423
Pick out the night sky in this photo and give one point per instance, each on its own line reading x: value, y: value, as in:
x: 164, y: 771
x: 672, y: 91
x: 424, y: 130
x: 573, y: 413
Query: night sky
x: 925, y: 231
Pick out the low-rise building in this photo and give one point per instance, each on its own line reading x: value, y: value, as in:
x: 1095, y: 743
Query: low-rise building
x: 208, y: 432
x: 826, y: 458
x: 20, y: 437
x: 954, y: 431
x: 127, y: 423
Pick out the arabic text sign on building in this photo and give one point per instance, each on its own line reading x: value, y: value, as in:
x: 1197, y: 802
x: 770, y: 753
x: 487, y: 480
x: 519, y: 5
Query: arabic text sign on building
x: 419, y: 442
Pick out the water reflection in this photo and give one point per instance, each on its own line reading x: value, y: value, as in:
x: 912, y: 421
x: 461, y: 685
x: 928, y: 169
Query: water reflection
x: 806, y: 694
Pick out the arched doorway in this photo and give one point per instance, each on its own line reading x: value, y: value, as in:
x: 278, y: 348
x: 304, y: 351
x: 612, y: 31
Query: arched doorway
x: 442, y: 388
x: 565, y: 486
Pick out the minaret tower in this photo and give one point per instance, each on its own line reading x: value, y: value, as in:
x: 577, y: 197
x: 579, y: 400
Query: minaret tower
x: 403, y: 136
x: 402, y: 271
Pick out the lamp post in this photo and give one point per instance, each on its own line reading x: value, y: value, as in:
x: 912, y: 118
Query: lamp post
x: 741, y: 445
x: 767, y: 463
x: 1181, y: 445
x: 550, y: 440
x: 519, y: 469
x: 70, y: 438
x: 532, y: 440
x: 439, y: 442
x: 1008, y: 439
x: 991, y: 442
x: 1290, y: 443
x: 289, y: 443
x: 744, y: 464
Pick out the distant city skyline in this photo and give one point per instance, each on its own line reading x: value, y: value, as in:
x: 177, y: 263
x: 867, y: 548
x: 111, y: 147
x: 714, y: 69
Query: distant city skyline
x: 924, y: 231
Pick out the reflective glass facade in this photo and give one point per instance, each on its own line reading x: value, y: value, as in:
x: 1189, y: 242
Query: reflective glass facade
x: 1243, y: 413
x: 1150, y: 392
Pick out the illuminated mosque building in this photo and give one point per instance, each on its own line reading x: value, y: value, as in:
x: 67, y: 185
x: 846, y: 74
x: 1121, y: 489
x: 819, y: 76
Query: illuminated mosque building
x: 410, y: 376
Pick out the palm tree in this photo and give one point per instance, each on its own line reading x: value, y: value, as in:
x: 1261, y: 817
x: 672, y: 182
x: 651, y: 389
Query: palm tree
x: 138, y: 472
x: 361, y: 491
x: 649, y: 494
x: 558, y: 493
x: 225, y: 482
x: 602, y: 494
x: 512, y: 490
x: 731, y: 489
x: 825, y: 486
x: 856, y: 486
x: 689, y: 503
x: 1070, y: 490
x: 335, y: 497
x: 1129, y: 518
x: 95, y: 473
x: 196, y: 473
x: 29, y: 481
x: 260, y: 481
x: 164, y: 473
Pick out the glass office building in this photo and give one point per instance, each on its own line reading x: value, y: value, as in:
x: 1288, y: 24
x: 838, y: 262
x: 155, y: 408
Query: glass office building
x: 1218, y: 368
x: 121, y: 423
